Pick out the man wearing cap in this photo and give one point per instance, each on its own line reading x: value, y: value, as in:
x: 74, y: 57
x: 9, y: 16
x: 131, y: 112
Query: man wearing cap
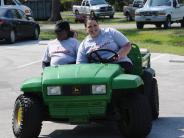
x: 63, y: 49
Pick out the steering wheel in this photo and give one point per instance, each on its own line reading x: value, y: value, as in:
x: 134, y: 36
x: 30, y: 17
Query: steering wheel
x: 94, y: 56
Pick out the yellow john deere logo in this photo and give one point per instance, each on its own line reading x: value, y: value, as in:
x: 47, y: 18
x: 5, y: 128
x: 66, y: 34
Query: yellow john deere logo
x: 76, y: 90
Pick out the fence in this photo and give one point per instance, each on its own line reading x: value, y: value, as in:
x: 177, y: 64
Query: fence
x: 41, y: 9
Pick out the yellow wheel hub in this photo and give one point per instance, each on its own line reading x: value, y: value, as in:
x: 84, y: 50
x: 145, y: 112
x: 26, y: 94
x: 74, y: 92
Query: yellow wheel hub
x: 19, y: 115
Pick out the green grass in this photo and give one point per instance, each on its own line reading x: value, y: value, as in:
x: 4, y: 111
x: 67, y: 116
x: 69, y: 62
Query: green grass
x: 161, y: 41
x: 68, y: 15
x: 47, y: 35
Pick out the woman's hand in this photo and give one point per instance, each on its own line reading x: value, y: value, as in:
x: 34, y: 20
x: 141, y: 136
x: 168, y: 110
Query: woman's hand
x: 116, y: 58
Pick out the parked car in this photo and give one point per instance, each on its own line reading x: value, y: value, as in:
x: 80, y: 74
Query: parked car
x: 129, y: 11
x: 18, y: 5
x: 94, y: 8
x: 160, y: 13
x: 14, y: 24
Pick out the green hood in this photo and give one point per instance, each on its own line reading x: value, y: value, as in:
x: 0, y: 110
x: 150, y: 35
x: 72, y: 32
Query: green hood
x: 80, y: 74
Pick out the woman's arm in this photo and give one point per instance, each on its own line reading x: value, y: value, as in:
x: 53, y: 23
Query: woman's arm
x: 81, y: 54
x: 46, y: 58
x: 45, y: 64
x: 124, y: 50
x: 122, y: 42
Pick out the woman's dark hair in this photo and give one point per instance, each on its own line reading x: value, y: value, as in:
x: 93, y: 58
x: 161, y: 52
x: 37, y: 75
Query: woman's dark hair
x: 89, y: 18
x: 62, y: 25
x: 71, y: 33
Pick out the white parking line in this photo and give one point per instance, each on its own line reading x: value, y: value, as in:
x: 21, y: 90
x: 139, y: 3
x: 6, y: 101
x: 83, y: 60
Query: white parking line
x: 176, y: 61
x: 25, y: 65
x: 157, y: 57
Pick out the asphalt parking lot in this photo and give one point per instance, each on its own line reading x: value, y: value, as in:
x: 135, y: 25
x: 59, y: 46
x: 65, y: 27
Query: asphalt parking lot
x: 22, y: 60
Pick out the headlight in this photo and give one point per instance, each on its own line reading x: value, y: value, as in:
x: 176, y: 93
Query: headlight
x: 98, y: 89
x: 113, y: 8
x: 53, y: 90
x: 137, y: 14
x: 95, y: 8
x: 161, y: 13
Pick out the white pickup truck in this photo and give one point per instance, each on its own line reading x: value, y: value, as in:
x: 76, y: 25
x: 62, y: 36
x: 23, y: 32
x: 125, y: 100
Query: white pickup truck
x: 160, y: 12
x: 94, y: 8
x: 129, y: 11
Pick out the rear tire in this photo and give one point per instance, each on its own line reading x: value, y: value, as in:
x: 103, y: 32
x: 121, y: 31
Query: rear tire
x: 27, y: 117
x: 158, y: 25
x: 151, y: 91
x: 135, y: 114
x: 128, y: 17
x: 92, y: 14
x: 76, y: 12
x: 155, y: 99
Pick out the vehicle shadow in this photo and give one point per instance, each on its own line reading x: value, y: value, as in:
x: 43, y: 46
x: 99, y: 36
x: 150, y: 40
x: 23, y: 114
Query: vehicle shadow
x: 164, y: 127
x: 168, y: 127
x: 19, y: 43
x: 86, y: 131
x: 152, y: 27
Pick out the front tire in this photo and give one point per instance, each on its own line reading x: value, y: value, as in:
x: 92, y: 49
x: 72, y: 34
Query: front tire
x: 135, y: 114
x: 111, y: 16
x: 167, y: 23
x: 27, y: 117
x: 12, y: 37
x: 182, y: 23
x: 139, y: 25
x: 36, y: 33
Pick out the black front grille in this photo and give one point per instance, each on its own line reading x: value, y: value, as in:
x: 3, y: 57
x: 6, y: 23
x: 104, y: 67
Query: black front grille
x: 149, y: 13
x: 76, y: 90
x: 103, y: 9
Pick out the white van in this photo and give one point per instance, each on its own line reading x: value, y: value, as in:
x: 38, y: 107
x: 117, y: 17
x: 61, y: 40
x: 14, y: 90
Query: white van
x: 18, y: 5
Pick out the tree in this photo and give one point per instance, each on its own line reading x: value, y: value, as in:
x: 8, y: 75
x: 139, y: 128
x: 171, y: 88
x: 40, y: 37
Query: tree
x: 55, y: 11
x: 118, y: 4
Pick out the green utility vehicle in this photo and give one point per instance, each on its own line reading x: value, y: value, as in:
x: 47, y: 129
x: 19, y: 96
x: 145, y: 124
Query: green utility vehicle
x: 84, y: 93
